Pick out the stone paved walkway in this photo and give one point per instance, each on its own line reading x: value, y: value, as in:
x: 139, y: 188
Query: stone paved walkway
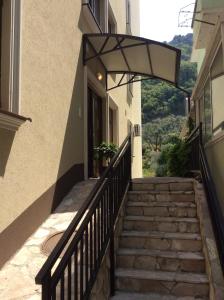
x: 17, y: 276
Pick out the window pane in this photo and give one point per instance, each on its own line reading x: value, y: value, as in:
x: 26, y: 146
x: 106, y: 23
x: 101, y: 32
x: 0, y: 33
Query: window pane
x: 202, y: 116
x: 207, y: 112
x: 218, y: 104
x: 95, y: 6
x: 217, y: 66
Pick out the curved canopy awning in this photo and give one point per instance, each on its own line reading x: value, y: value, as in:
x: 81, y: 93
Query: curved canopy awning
x: 127, y: 54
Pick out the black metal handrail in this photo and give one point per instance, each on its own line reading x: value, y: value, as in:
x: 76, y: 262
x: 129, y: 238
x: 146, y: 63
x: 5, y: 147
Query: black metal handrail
x: 88, y: 236
x: 200, y: 160
x: 194, y: 140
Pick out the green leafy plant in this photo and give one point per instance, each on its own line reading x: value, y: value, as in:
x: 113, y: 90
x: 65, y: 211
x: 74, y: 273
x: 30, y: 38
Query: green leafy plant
x: 105, y: 151
x: 178, y: 161
x: 162, y: 162
x: 174, y: 160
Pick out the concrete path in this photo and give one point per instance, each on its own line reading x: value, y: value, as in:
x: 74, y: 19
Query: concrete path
x: 17, y: 276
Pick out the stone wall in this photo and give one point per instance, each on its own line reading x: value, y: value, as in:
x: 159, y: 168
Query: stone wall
x: 213, y: 267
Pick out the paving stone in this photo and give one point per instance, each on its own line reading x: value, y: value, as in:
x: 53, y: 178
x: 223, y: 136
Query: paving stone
x: 17, y: 277
x: 162, y: 187
x: 142, y: 187
x: 149, y: 296
x: 181, y: 186
x: 162, y: 282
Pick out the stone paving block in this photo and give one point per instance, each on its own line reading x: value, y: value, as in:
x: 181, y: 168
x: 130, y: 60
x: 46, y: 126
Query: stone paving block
x: 142, y: 187
x: 181, y: 186
x: 162, y: 187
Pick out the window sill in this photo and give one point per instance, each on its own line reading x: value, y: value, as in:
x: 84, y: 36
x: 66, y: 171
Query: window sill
x: 215, y: 139
x: 90, y: 18
x: 11, y: 121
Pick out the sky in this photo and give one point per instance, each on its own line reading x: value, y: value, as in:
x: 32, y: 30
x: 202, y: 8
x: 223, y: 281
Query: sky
x: 159, y: 19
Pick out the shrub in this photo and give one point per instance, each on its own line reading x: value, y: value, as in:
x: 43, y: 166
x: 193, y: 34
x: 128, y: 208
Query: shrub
x: 174, y: 160
x: 162, y: 166
x: 178, y: 161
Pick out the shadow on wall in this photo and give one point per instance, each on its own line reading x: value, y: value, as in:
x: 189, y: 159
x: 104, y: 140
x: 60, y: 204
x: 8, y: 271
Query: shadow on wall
x: 71, y: 172
x: 6, y: 140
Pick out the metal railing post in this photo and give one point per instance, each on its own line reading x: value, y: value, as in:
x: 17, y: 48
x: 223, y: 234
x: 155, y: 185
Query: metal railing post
x: 111, y: 211
x: 103, y: 206
x: 46, y: 287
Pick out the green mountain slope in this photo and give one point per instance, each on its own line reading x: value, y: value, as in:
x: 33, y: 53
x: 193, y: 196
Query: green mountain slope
x: 163, y: 107
x: 160, y: 99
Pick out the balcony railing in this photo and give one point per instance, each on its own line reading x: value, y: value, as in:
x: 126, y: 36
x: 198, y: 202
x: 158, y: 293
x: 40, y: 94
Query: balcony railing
x: 199, y: 162
x: 84, y: 243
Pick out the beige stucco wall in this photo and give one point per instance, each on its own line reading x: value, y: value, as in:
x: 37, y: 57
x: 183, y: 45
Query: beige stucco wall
x: 215, y: 147
x: 129, y: 107
x: 52, y: 94
x: 216, y: 162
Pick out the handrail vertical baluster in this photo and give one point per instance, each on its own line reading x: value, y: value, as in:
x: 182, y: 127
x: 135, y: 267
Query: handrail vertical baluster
x: 111, y: 216
x: 84, y: 243
x: 46, y: 287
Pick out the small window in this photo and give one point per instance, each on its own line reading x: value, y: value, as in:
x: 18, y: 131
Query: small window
x: 128, y: 16
x: 217, y: 65
x: 112, y: 24
x: 95, y: 7
x: 217, y: 75
x: 218, y: 104
x: 111, y: 27
x: 130, y: 85
x: 208, y: 111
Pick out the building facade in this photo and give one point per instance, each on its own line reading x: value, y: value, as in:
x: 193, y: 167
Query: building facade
x: 54, y: 109
x: 208, y: 47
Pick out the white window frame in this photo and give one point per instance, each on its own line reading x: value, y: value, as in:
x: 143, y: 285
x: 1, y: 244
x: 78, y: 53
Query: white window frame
x: 111, y: 19
x: 94, y: 25
x: 11, y: 99
x: 10, y: 118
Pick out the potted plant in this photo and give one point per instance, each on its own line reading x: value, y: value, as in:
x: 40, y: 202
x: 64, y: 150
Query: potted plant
x: 105, y: 152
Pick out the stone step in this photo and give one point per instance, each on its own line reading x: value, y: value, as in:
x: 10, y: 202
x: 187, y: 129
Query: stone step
x: 162, y: 209
x: 165, y: 224
x: 161, y: 241
x: 150, y: 296
x: 161, y: 260
x: 168, y: 283
x: 157, y: 184
x: 176, y: 196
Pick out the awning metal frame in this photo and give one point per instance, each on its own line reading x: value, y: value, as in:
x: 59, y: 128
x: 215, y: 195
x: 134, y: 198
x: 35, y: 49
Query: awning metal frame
x: 120, y: 38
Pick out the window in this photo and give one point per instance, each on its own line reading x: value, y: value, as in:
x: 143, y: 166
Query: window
x: 111, y: 125
x: 112, y: 24
x: 218, y: 104
x: 212, y: 102
x: 95, y: 15
x: 217, y: 65
x: 9, y: 55
x: 9, y: 65
x: 217, y: 74
x: 207, y: 111
x: 128, y: 16
x: 130, y: 85
x: 95, y: 7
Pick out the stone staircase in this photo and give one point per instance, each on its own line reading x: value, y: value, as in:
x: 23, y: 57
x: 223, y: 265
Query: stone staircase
x: 160, y: 250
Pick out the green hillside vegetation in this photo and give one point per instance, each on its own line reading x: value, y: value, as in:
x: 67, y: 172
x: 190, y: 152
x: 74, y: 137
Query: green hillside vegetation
x: 163, y: 106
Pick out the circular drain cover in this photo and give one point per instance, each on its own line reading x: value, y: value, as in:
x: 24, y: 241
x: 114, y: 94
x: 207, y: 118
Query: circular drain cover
x: 50, y: 243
